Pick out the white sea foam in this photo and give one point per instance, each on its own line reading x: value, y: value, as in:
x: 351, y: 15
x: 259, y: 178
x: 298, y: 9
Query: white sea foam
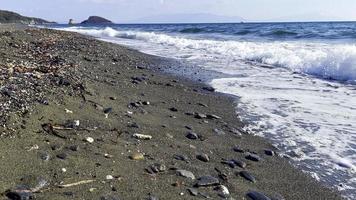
x: 312, y: 120
x: 336, y: 61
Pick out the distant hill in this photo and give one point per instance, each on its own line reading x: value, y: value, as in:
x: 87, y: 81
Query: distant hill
x: 12, y: 17
x: 96, y: 20
x: 189, y: 18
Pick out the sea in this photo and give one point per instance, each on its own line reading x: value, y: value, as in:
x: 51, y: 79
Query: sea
x: 295, y: 82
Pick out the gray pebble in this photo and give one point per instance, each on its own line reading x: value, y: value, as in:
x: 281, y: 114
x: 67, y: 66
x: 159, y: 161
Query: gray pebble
x: 257, y: 196
x: 192, y: 135
x: 253, y: 157
x: 246, y: 175
x: 203, y: 157
x: 206, y: 181
x: 186, y: 174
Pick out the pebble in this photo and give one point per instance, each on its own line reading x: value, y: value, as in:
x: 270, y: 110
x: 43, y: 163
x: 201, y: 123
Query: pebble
x: 90, y: 139
x: 181, y: 157
x: 19, y: 194
x: 137, y: 156
x: 74, y: 148
x: 186, y: 174
x: 253, y: 157
x: 199, y: 116
x: 108, y: 110
x: 239, y: 163
x: 109, y: 177
x: 223, y: 191
x: 211, y: 116
x: 193, y: 191
x: 208, y: 88
x: 206, y: 181
x: 44, y: 156
x: 62, y: 156
x: 142, y: 136
x: 203, y: 157
x: 173, y: 109
x: 156, y: 168
x: 238, y: 149
x: 192, y: 135
x: 246, y: 175
x: 151, y: 197
x: 257, y: 196
x: 269, y: 152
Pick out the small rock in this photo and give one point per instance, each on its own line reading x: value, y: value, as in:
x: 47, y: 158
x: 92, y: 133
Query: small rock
x: 247, y: 176
x: 151, y: 197
x: 109, y: 177
x: 89, y: 139
x: 193, y: 191
x: 156, y: 168
x: 208, y: 88
x: 257, y: 196
x: 238, y: 149
x: 192, y: 135
x: 74, y: 148
x: 108, y: 110
x: 44, y: 156
x: 19, y: 194
x: 199, y: 116
x: 203, y: 157
x: 173, y: 109
x: 137, y: 156
x: 239, y: 163
x: 253, y: 157
x: 206, y: 181
x: 142, y: 137
x: 211, y: 116
x: 181, y: 157
x: 62, y: 156
x: 186, y: 174
x: 223, y: 191
x: 269, y: 152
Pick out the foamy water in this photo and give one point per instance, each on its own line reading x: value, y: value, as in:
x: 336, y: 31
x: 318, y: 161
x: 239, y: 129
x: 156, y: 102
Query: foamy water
x: 298, y: 93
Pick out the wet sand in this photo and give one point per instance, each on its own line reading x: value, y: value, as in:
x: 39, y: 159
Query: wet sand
x: 99, y: 121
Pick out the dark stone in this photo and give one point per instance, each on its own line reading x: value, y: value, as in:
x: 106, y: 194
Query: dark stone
x: 192, y: 135
x: 19, y: 194
x: 269, y: 152
x: 107, y: 110
x: 239, y: 163
x: 208, y: 88
x: 181, y: 157
x: 62, y: 156
x: 74, y: 148
x: 156, y: 168
x: 203, y: 157
x: 253, y: 157
x: 257, y: 196
x: 206, y: 181
x: 211, y: 116
x: 230, y: 163
x: 173, y: 109
x: 246, y: 175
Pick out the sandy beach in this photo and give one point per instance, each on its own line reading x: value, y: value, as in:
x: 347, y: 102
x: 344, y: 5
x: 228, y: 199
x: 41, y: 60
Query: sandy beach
x: 86, y: 119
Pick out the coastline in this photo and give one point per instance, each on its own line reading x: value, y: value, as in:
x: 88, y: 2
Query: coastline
x: 103, y: 75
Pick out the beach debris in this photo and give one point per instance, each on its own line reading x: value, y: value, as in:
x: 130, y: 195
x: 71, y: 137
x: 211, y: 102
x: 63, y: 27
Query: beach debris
x: 49, y: 128
x: 206, y: 181
x: 185, y: 173
x: 257, y: 196
x: 142, y: 136
x: 137, y: 156
x: 76, y: 183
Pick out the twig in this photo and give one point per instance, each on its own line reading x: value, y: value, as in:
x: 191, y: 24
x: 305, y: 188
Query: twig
x: 76, y: 183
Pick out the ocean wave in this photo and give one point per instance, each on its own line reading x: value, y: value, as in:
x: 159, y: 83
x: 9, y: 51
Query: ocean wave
x: 329, y: 61
x: 280, y: 33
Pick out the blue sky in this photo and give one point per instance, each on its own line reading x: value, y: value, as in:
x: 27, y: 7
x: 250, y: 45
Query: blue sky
x: 131, y: 10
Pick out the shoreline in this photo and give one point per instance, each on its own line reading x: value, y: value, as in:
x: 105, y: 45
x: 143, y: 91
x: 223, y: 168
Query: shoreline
x: 115, y: 95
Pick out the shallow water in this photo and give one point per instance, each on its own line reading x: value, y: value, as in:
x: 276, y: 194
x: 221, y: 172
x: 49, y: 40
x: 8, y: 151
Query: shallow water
x: 295, y: 82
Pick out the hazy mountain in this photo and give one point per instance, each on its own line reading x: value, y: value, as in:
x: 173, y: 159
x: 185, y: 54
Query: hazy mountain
x: 189, y: 18
x: 12, y: 17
